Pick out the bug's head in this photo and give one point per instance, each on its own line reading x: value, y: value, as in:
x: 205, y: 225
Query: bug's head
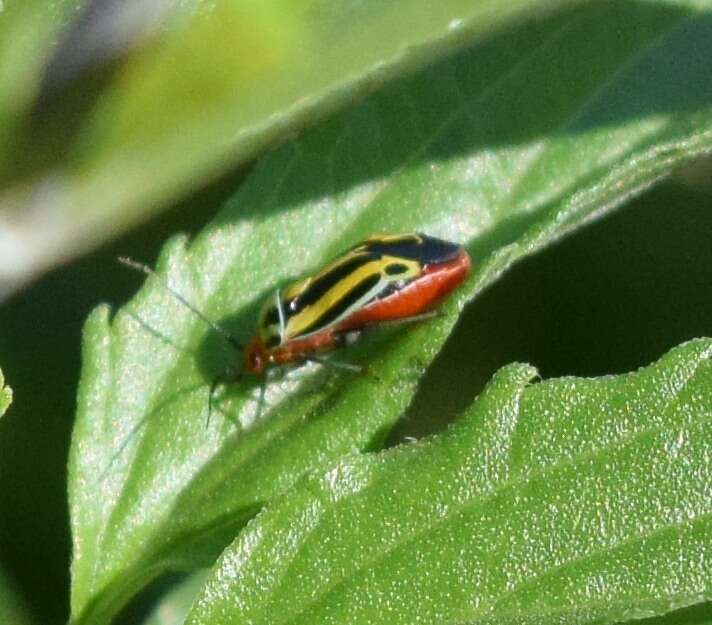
x: 254, y: 357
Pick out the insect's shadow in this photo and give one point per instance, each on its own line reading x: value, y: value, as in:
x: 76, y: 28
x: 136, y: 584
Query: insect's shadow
x: 176, y: 396
x: 221, y: 364
x: 219, y: 361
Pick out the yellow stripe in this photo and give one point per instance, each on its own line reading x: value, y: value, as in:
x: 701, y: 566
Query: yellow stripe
x: 391, y: 238
x: 299, y: 322
x: 297, y: 288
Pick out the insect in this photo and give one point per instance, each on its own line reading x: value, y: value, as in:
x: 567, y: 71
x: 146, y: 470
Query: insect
x: 384, y: 279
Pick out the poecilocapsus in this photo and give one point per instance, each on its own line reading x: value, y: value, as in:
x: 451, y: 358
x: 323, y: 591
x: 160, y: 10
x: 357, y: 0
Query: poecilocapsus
x: 384, y: 279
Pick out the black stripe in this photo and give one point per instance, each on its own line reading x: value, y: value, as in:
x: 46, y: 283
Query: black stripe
x: 349, y: 299
x: 323, y: 284
x: 271, y: 317
x: 395, y: 269
x: 426, y: 250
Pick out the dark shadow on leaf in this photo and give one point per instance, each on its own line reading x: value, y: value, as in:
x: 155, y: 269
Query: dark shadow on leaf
x: 700, y: 614
x: 141, y: 606
x: 384, y: 132
x: 608, y: 299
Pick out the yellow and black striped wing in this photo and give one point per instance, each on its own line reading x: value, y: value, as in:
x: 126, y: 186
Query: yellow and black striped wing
x: 375, y: 268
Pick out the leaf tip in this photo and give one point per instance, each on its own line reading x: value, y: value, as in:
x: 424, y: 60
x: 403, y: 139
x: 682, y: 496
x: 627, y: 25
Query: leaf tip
x: 98, y: 322
x: 5, y: 395
x: 174, y: 253
x: 517, y: 374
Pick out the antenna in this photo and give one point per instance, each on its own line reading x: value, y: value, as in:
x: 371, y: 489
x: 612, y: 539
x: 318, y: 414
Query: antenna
x: 143, y: 268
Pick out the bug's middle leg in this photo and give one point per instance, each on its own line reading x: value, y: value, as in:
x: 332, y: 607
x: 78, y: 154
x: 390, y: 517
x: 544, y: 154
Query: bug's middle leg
x: 335, y: 364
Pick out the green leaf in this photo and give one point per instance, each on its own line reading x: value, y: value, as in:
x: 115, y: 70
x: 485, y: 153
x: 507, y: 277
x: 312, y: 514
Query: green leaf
x: 700, y: 614
x: 183, y: 102
x: 28, y: 30
x: 173, y: 608
x: 13, y: 609
x: 572, y: 500
x: 5, y: 395
x: 506, y: 147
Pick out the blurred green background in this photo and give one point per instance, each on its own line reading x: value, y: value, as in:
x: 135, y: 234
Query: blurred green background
x: 610, y: 298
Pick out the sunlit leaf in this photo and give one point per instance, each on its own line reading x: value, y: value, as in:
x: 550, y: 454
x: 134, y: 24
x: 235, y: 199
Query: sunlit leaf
x: 5, y: 395
x: 140, y: 101
x: 505, y: 148
x: 573, y: 501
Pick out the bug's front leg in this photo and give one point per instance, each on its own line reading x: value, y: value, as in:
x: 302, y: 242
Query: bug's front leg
x: 262, y: 397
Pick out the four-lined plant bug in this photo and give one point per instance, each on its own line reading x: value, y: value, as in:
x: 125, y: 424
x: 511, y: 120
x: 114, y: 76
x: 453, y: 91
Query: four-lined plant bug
x: 382, y: 280
x: 385, y: 278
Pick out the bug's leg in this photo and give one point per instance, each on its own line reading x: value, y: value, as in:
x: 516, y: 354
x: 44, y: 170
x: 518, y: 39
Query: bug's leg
x: 261, y: 399
x: 227, y: 377
x: 211, y: 396
x: 336, y: 364
x: 271, y: 375
x: 279, y: 305
x: 343, y: 366
x: 347, y: 337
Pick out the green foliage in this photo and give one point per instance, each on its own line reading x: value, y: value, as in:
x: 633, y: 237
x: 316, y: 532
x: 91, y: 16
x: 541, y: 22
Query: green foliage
x: 173, y: 607
x: 5, y: 395
x: 502, y: 125
x: 506, y: 147
x: 572, y: 500
x: 137, y: 107
x: 13, y: 610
